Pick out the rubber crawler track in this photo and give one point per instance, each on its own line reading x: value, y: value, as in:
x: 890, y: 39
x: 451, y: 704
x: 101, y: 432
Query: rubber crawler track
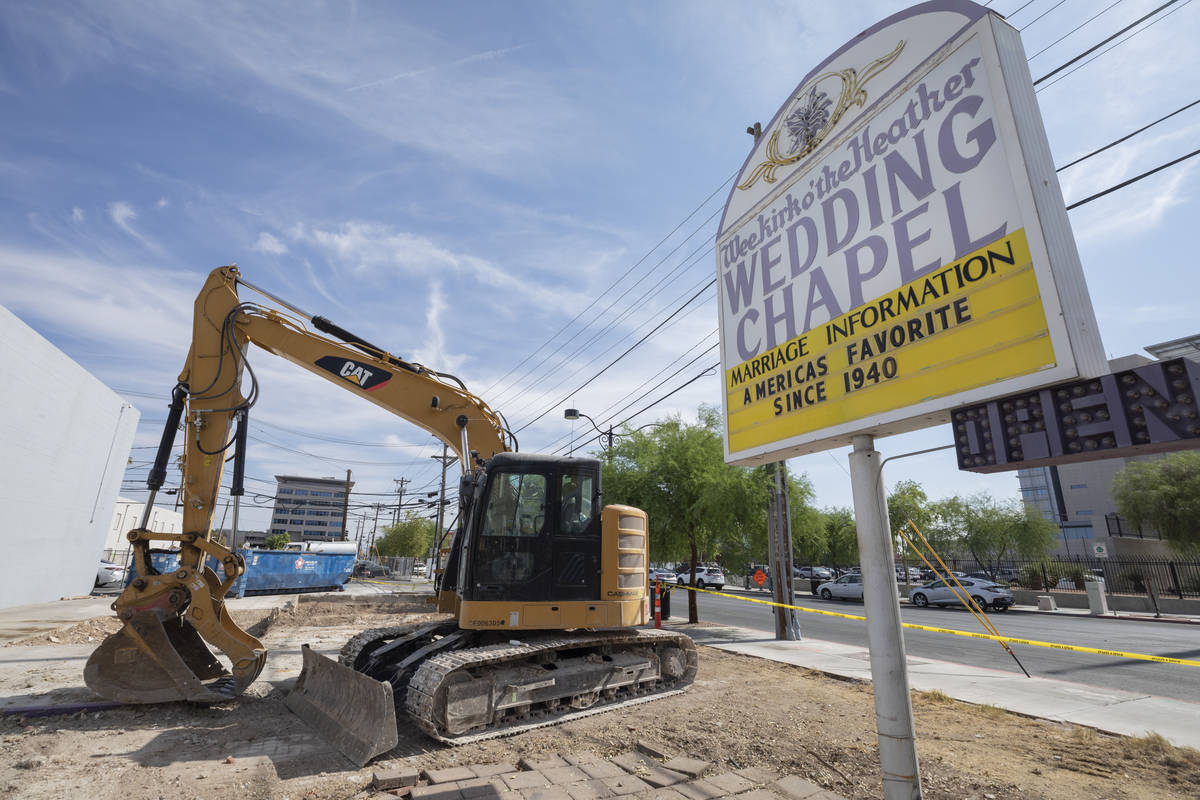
x: 425, y: 688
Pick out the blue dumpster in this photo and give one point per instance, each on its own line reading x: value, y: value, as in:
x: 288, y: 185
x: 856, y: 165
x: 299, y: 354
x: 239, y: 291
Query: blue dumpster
x: 272, y: 571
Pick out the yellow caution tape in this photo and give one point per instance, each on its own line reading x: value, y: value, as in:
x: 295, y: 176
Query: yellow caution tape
x: 1030, y: 642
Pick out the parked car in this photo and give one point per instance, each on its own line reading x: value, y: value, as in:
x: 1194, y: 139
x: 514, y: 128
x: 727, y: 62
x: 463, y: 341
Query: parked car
x: 419, y: 569
x: 914, y: 574
x: 663, y: 576
x: 986, y: 594
x: 847, y: 587
x: 370, y: 569
x: 706, y: 578
x: 109, y: 573
x: 820, y: 573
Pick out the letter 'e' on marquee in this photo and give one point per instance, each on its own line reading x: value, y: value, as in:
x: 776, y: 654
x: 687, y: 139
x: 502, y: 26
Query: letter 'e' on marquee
x: 897, y: 245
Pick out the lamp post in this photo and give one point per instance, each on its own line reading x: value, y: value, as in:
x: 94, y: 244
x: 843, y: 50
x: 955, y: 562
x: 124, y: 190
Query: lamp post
x: 607, y: 437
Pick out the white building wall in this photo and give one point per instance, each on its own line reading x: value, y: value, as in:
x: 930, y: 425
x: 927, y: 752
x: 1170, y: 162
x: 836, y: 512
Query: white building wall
x: 127, y: 515
x: 65, y: 438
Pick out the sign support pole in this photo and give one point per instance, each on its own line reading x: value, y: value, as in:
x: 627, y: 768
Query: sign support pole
x: 894, y: 726
x: 779, y: 535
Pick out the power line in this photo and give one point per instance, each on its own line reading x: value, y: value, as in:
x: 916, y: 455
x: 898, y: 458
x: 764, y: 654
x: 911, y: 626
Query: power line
x: 1135, y: 179
x: 633, y: 347
x: 1097, y: 46
x: 1039, y: 16
x: 614, y: 284
x: 1076, y: 28
x: 1128, y: 136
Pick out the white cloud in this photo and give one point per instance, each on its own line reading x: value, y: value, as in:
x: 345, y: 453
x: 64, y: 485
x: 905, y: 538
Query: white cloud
x: 123, y: 214
x: 162, y: 203
x: 266, y: 243
x: 77, y: 214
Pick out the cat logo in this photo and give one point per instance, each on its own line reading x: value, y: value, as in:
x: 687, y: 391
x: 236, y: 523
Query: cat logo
x: 353, y: 372
x: 365, y: 376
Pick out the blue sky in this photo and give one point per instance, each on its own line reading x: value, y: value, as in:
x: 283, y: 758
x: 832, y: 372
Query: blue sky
x: 467, y: 182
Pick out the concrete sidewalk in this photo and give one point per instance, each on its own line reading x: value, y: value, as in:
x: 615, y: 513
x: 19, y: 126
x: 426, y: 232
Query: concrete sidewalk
x: 1111, y: 710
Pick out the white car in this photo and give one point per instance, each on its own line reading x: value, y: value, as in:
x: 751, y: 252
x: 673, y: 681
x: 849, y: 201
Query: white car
x: 706, y: 578
x: 986, y: 594
x: 109, y: 573
x: 419, y: 569
x: 847, y: 587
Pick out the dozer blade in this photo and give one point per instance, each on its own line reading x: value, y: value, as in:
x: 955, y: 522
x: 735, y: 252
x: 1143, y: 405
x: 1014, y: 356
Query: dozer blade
x: 352, y: 711
x: 151, y: 660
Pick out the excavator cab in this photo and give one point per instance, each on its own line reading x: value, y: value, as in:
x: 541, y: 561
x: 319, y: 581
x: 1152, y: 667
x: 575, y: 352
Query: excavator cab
x: 537, y: 531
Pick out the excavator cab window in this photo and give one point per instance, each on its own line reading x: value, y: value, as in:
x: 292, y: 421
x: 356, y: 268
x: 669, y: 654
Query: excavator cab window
x: 539, y: 533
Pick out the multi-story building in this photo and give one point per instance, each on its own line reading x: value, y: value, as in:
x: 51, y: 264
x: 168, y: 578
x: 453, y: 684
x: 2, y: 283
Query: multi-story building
x: 1078, y: 497
x: 307, y: 509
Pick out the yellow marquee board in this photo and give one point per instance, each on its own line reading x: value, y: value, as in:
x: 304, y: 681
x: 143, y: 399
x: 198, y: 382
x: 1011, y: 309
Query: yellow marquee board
x: 898, y: 349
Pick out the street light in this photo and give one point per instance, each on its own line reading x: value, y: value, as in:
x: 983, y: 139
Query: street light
x: 606, y: 436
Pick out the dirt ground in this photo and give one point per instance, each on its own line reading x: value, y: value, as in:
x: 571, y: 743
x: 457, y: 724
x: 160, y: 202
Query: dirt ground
x: 741, y: 712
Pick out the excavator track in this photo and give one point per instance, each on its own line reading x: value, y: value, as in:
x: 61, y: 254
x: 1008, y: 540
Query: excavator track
x: 478, y: 693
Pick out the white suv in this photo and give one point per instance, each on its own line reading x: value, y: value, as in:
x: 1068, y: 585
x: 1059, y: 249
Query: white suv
x: 706, y: 578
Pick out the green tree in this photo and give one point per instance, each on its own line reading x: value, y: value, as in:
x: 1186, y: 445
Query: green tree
x: 841, y: 535
x: 411, y: 536
x: 810, y: 539
x: 277, y: 541
x: 697, y: 503
x: 1163, y: 494
x: 988, y: 530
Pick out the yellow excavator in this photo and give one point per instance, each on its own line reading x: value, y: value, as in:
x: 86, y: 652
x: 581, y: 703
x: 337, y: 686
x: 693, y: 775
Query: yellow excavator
x: 544, y: 587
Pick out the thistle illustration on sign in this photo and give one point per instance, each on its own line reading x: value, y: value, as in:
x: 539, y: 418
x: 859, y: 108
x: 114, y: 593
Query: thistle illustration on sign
x: 813, y: 114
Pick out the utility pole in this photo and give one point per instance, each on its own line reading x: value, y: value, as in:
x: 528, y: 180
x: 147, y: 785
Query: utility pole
x: 400, y: 484
x: 445, y: 458
x: 345, y: 505
x: 779, y: 531
x: 375, y: 529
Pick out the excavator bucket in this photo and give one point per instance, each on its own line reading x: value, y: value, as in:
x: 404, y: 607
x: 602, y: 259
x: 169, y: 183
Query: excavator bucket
x: 157, y: 660
x: 353, y: 711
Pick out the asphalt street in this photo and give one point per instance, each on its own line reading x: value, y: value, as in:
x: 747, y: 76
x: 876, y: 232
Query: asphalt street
x: 1153, y: 638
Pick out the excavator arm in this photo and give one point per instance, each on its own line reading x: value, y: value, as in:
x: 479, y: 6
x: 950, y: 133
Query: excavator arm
x: 160, y: 654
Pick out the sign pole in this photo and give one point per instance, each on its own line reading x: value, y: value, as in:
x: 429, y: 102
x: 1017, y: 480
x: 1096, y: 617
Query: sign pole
x: 889, y: 671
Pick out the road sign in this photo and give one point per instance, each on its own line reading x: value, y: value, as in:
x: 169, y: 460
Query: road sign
x: 1100, y: 550
x: 760, y: 577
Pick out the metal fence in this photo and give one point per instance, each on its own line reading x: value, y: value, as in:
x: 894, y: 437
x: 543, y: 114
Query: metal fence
x: 1131, y: 576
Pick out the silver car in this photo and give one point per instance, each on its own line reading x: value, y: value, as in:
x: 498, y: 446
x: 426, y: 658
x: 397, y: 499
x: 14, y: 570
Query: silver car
x: 847, y: 587
x: 986, y: 594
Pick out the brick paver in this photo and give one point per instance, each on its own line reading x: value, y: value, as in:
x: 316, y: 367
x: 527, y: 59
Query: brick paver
x: 436, y: 791
x: 395, y: 778
x: 588, y: 790
x: 491, y: 770
x: 626, y: 784
x: 796, y: 788
x: 730, y: 783
x: 648, y: 770
x: 548, y: 762
x: 760, y: 794
x: 531, y: 779
x: 759, y: 776
x: 699, y: 789
x: 562, y: 775
x: 604, y: 769
x: 546, y: 793
x: 449, y: 774
x: 692, y: 767
x: 660, y: 794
